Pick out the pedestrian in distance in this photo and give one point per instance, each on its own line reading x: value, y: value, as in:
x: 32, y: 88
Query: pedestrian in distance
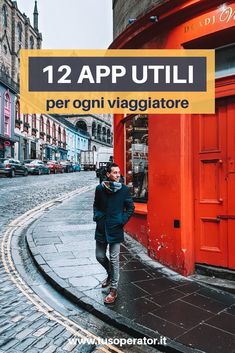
x: 113, y: 207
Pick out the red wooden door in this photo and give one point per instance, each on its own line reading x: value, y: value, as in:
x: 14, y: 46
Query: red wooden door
x: 231, y: 181
x: 214, y: 185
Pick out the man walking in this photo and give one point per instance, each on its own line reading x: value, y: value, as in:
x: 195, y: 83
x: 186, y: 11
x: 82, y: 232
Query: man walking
x: 113, y: 206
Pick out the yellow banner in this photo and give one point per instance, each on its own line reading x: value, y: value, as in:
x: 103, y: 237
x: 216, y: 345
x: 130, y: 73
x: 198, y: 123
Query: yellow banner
x: 117, y: 81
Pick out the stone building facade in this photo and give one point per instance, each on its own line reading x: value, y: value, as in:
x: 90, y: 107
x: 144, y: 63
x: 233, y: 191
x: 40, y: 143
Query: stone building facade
x: 16, y: 32
x: 99, y: 128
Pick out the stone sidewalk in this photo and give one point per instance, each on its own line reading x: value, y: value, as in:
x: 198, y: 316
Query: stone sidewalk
x: 153, y: 301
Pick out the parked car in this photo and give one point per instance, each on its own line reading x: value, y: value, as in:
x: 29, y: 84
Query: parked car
x: 36, y: 166
x: 76, y: 167
x: 55, y: 167
x: 68, y: 167
x: 11, y: 167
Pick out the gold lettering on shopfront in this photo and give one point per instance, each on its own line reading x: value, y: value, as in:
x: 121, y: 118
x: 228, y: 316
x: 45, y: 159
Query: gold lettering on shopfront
x: 226, y: 15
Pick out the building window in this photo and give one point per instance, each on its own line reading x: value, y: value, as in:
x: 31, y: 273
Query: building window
x: 34, y: 121
x: 7, y: 126
x: 26, y: 122
x: 54, y: 133
x: 26, y: 118
x: 7, y: 101
x: 99, y: 132
x: 34, y: 125
x: 225, y: 61
x: 48, y: 127
x: 108, y: 136
x: 81, y: 125
x: 104, y: 137
x: 19, y: 32
x: 42, y: 133
x: 4, y: 15
x: 73, y: 141
x: 64, y: 138
x: 31, y: 42
x: 136, y: 131
x: 41, y: 124
x: 17, y: 114
x: 7, y: 114
x: 48, y: 131
x: 59, y: 136
x: 94, y: 130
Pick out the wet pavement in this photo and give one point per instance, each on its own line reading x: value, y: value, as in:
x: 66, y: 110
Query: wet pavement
x: 23, y: 327
x: 153, y: 301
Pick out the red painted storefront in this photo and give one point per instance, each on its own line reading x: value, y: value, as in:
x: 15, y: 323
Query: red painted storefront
x: 190, y: 213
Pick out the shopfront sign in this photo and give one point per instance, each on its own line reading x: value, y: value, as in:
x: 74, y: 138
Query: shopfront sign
x: 222, y: 17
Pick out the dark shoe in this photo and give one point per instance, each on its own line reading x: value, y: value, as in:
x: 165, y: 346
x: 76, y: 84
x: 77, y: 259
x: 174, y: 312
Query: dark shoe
x: 106, y: 282
x: 111, y: 297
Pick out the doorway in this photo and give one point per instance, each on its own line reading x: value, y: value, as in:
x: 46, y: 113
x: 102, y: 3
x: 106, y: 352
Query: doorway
x: 214, y: 185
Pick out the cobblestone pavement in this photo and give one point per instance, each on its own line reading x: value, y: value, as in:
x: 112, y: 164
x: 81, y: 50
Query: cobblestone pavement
x: 21, y: 194
x: 22, y: 327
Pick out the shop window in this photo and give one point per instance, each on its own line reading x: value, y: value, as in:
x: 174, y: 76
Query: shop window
x: 225, y: 61
x: 136, y: 130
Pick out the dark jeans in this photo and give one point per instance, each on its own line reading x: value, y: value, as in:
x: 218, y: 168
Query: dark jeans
x: 111, y: 266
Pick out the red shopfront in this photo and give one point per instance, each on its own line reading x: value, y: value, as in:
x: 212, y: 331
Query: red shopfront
x: 181, y: 169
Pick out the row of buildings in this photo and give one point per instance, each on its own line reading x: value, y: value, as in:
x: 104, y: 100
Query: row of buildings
x: 46, y: 137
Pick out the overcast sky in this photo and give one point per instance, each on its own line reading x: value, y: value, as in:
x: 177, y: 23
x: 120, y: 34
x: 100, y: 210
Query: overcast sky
x: 72, y: 24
